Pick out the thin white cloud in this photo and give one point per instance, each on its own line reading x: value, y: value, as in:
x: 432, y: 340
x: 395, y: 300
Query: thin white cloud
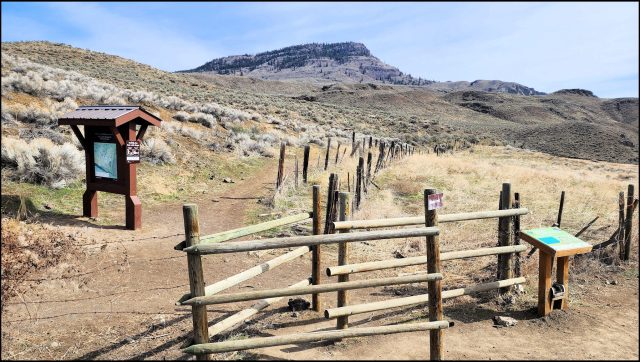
x: 134, y: 37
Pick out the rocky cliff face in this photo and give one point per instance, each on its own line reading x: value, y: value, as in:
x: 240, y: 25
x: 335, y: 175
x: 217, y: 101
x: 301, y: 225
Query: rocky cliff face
x: 340, y: 62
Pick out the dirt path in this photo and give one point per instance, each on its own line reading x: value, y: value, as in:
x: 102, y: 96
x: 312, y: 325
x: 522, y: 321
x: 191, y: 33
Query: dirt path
x: 119, y: 301
x: 119, y: 304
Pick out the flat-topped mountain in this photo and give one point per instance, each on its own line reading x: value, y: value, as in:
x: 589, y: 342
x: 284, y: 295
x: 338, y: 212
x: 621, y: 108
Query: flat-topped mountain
x: 347, y: 62
x: 342, y: 62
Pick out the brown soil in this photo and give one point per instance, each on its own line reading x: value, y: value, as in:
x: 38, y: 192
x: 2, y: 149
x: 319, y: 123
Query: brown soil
x: 120, y: 303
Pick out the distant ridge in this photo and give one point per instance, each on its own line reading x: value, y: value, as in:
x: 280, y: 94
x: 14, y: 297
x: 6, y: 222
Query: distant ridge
x: 347, y: 62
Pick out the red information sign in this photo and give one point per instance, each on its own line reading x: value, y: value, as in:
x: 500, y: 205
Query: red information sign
x: 434, y: 201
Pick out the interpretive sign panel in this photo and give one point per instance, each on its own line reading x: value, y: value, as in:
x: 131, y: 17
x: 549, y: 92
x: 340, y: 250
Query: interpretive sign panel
x: 105, y: 156
x: 556, y: 241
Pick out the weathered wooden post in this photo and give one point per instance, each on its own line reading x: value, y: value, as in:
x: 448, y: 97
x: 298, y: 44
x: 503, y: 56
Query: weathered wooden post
x: 516, y: 236
x: 326, y: 157
x: 628, y: 223
x: 359, y: 182
x: 343, y: 259
x: 559, y: 219
x: 353, y: 141
x: 337, y: 153
x: 504, y: 239
x: 370, y: 141
x: 316, y: 257
x: 280, y: 166
x: 355, y: 149
x: 369, y: 159
x: 305, y: 163
x: 196, y: 277
x: 434, y: 288
x: 331, y: 204
x: 621, y: 225
x: 296, y: 170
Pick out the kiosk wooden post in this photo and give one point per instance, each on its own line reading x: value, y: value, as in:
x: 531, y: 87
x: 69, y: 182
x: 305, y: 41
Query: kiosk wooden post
x: 111, y: 142
x: 554, y: 243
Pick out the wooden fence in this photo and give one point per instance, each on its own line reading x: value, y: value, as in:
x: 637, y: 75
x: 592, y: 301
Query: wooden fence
x: 200, y: 295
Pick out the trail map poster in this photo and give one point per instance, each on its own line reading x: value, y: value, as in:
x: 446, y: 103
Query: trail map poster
x: 105, y: 157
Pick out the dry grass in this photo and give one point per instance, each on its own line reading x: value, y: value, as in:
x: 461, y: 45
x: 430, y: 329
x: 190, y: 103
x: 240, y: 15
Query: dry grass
x: 28, y: 249
x: 471, y: 181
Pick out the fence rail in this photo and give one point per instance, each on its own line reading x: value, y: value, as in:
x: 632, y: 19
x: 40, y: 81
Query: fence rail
x: 417, y: 299
x: 419, y: 260
x: 322, y: 288
x: 251, y: 343
x: 293, y: 241
x: 419, y: 220
x: 251, y: 229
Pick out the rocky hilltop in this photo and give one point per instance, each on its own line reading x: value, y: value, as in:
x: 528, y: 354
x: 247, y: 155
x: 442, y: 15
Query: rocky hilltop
x: 347, y: 62
x: 343, y: 62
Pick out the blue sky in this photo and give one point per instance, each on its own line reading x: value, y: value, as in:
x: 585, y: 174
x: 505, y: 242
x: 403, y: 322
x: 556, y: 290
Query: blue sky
x: 548, y: 46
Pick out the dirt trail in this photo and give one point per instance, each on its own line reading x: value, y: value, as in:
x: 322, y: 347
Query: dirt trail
x: 120, y: 304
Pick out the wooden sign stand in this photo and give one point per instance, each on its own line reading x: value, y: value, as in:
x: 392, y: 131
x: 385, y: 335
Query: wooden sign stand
x: 554, y: 243
x: 107, y: 130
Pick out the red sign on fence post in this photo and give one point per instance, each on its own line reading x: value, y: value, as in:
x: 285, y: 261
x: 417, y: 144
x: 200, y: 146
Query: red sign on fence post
x: 434, y: 201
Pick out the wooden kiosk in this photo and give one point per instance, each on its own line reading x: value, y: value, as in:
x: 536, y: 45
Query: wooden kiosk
x: 111, y: 142
x: 554, y: 243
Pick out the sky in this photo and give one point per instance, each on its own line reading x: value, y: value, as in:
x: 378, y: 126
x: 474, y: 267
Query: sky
x: 547, y: 46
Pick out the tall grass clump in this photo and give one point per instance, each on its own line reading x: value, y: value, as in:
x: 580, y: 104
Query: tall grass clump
x: 157, y: 152
x: 41, y: 162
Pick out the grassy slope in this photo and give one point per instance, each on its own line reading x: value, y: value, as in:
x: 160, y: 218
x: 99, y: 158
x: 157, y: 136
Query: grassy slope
x: 406, y: 112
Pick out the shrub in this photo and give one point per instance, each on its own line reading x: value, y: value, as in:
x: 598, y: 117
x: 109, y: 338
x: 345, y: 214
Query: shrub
x: 28, y: 249
x: 181, y: 116
x: 41, y: 162
x: 157, y: 152
x: 205, y: 119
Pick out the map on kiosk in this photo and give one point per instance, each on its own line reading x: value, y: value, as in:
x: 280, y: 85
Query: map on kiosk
x: 556, y: 239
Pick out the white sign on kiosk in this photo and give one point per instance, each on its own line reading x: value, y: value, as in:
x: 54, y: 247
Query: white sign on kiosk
x: 434, y: 201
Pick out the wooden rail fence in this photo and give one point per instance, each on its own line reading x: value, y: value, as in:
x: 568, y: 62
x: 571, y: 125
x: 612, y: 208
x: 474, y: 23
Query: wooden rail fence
x: 201, y: 295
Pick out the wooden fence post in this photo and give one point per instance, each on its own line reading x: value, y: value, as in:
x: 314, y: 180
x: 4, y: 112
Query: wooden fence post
x: 628, y: 223
x: 559, y: 219
x: 621, y: 225
x: 504, y: 237
x: 337, y: 153
x: 434, y: 288
x: 366, y: 183
x: 305, y: 163
x: 353, y: 141
x: 316, y: 257
x: 280, y: 166
x: 296, y: 170
x: 326, y: 157
x: 331, y: 204
x: 516, y: 236
x: 359, y: 182
x: 343, y: 259
x: 196, y: 277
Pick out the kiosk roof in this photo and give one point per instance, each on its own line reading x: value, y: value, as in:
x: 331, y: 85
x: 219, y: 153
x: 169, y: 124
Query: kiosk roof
x: 108, y: 116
